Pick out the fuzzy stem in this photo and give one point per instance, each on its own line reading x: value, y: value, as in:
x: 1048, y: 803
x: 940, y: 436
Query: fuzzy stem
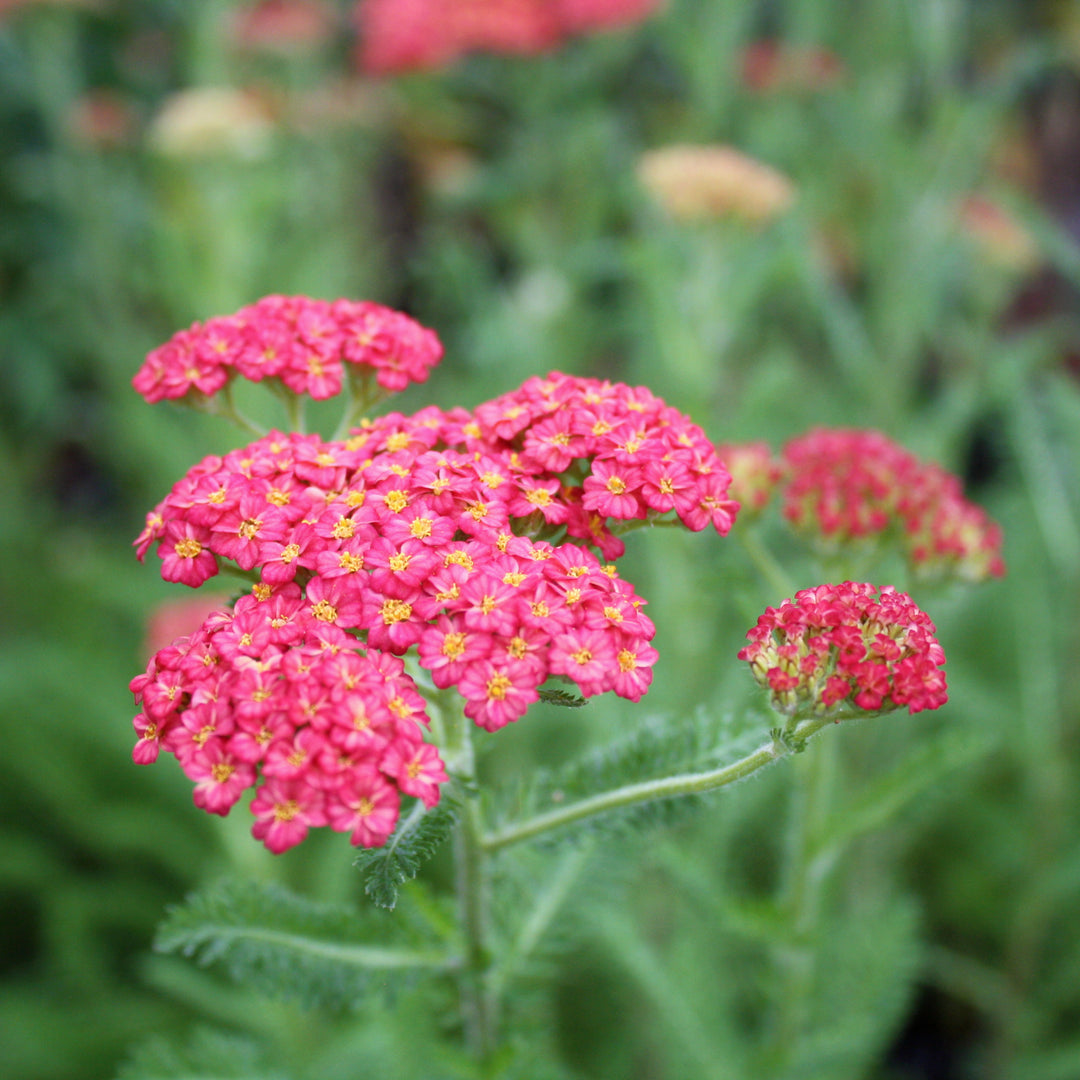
x: 763, y: 561
x: 472, y: 885
x: 664, y: 788
x: 807, y: 869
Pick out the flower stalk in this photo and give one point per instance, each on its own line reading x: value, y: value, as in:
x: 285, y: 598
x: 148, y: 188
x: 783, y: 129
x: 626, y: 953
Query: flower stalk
x: 779, y: 746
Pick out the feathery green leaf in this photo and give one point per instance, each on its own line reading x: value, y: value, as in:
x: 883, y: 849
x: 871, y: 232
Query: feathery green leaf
x: 415, y: 840
x: 208, y: 1055
x: 287, y: 946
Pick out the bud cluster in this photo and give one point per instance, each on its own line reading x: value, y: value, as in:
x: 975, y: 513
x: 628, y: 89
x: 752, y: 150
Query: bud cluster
x: 843, y: 485
x: 835, y: 648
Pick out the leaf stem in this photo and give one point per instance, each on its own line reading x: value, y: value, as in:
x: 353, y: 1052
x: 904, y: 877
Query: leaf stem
x: 664, y: 788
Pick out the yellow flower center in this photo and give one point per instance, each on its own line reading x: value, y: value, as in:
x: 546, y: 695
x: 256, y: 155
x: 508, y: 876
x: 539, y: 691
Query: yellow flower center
x: 453, y: 645
x: 395, y: 611
x: 188, y: 548
x: 497, y: 687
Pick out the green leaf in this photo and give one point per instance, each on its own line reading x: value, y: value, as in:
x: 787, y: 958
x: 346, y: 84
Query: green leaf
x: 882, y: 798
x: 209, y: 1055
x: 287, y: 946
x: 562, y: 698
x: 413, y: 843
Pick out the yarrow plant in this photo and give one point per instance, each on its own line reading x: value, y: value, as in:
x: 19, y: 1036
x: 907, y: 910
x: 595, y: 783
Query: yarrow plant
x: 465, y: 537
x: 417, y: 576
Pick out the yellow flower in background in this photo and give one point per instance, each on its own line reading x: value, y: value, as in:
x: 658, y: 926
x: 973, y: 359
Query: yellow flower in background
x: 697, y: 182
x: 210, y: 120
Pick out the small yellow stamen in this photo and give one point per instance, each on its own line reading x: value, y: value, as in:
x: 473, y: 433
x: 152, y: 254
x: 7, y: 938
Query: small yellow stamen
x: 497, y: 687
x: 395, y: 611
x: 453, y: 645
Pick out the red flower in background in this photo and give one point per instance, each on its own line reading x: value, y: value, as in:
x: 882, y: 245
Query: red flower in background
x: 414, y: 35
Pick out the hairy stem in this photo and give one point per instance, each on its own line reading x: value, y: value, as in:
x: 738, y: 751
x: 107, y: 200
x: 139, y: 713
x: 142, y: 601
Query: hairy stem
x: 472, y: 885
x: 767, y: 566
x: 664, y: 788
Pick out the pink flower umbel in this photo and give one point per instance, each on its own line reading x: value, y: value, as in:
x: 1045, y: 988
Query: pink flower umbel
x: 464, y: 540
x: 847, y: 648
x: 843, y: 486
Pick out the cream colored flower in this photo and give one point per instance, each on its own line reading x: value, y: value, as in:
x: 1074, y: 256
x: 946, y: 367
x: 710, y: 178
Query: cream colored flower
x: 212, y: 120
x: 696, y: 182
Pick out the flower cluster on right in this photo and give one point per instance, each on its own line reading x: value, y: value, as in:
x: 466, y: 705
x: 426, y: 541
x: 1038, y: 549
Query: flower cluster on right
x: 846, y: 487
x: 838, y: 648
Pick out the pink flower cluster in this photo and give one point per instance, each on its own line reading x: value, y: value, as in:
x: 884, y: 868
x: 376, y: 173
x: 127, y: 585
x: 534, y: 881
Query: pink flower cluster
x: 274, y: 686
x: 835, y: 647
x: 447, y: 532
x: 309, y: 346
x: 412, y: 35
x: 841, y: 485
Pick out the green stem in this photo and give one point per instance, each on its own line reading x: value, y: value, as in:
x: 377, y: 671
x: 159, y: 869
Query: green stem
x: 363, y: 394
x: 665, y: 788
x: 472, y: 885
x: 808, y: 866
x: 763, y: 560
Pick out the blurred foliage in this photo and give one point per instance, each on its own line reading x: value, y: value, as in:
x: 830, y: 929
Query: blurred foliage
x: 900, y: 906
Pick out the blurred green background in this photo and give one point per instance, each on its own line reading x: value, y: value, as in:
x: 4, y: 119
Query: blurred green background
x: 158, y: 168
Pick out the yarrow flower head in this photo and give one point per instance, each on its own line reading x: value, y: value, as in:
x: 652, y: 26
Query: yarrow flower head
x: 466, y: 539
x: 308, y: 346
x: 845, y: 486
x: 845, y: 649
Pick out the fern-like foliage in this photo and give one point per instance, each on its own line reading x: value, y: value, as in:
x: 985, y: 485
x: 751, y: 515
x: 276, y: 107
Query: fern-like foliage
x: 657, y: 747
x: 562, y: 698
x: 415, y: 840
x: 209, y: 1055
x: 286, y: 946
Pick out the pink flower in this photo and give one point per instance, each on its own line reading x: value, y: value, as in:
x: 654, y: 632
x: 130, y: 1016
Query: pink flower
x: 185, y: 554
x: 367, y: 807
x: 417, y: 768
x: 284, y: 811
